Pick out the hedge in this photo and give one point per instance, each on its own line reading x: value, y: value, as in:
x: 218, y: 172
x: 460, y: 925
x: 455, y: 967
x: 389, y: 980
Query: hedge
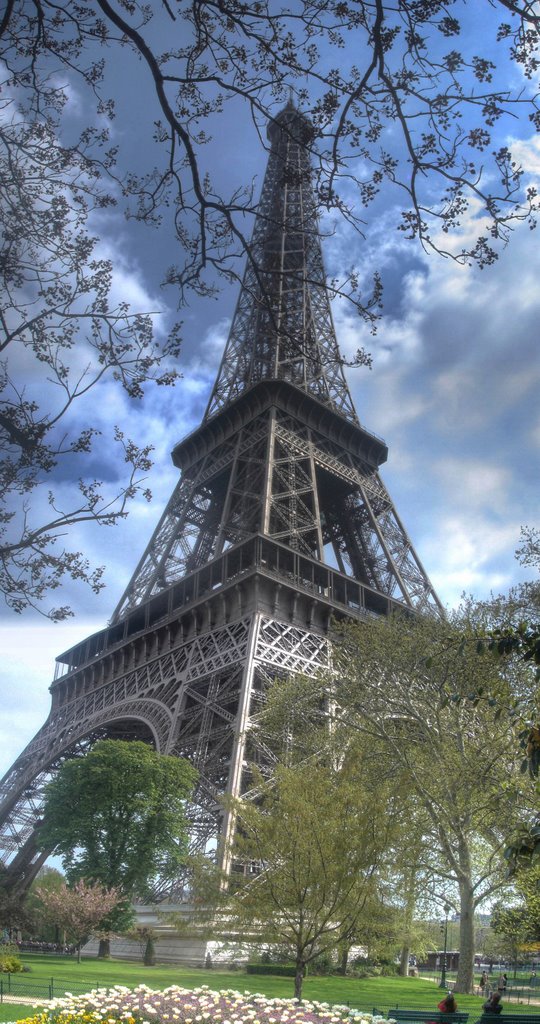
x: 285, y: 970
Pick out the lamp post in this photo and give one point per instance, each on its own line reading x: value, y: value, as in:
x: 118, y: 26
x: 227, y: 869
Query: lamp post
x: 443, y: 965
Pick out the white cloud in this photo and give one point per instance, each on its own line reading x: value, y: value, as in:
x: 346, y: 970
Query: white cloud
x: 462, y: 557
x: 27, y: 670
x: 479, y: 484
x: 527, y: 153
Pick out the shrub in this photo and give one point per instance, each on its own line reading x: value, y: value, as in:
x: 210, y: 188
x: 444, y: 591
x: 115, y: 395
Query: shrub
x: 10, y: 962
x: 323, y: 964
x: 285, y: 970
x: 10, y: 965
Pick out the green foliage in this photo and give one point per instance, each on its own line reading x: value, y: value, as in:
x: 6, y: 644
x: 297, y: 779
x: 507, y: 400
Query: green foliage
x: 116, y: 815
x: 48, y: 879
x: 508, y: 629
x: 453, y: 764
x: 323, y: 964
x: 523, y: 640
x: 520, y: 923
x: 14, y: 913
x: 10, y: 961
x: 279, y: 970
x: 304, y: 859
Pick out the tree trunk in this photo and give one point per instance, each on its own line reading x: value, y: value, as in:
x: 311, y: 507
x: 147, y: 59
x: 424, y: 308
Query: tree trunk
x: 78, y: 952
x: 465, y: 975
x: 403, y: 969
x: 150, y: 952
x: 409, y: 882
x: 299, y: 978
x: 104, y: 951
x: 344, y: 958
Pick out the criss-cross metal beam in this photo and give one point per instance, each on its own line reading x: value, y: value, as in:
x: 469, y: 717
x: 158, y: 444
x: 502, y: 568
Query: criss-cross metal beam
x: 279, y: 522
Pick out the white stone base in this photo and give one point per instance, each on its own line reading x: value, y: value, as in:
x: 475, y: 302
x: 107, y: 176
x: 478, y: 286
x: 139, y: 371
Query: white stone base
x: 171, y: 948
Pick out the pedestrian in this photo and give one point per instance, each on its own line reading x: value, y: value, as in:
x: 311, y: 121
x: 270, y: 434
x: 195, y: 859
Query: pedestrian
x: 448, y: 1004
x: 483, y: 985
x: 493, y: 1005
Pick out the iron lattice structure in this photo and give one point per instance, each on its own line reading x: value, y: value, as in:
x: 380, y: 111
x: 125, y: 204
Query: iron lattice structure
x: 280, y: 521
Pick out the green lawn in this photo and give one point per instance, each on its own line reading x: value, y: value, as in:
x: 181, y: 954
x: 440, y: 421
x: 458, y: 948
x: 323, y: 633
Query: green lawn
x: 365, y: 993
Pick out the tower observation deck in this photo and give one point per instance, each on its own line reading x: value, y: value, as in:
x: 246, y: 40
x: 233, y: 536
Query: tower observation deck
x: 279, y: 522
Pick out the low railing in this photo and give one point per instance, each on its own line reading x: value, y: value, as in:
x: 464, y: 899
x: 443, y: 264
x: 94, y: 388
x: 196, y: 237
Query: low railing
x: 19, y: 986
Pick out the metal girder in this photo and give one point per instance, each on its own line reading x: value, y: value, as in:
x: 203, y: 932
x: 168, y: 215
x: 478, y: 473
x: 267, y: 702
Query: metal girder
x: 280, y: 521
x: 186, y: 701
x: 282, y: 326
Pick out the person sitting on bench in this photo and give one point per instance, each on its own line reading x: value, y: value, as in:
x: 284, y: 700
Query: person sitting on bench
x: 493, y: 1004
x: 448, y: 1004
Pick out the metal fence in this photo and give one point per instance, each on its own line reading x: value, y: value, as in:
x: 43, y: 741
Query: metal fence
x: 518, y: 990
x: 19, y: 986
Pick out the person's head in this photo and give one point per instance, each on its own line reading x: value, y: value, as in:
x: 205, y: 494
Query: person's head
x: 496, y: 997
x: 450, y: 1002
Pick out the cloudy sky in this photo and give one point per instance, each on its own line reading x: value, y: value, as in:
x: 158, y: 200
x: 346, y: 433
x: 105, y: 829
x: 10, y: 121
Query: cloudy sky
x: 453, y: 390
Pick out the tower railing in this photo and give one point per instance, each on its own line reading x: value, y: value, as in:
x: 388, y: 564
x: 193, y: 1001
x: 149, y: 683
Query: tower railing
x: 258, y: 554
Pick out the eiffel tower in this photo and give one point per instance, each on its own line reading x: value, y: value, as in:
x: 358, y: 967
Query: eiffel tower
x: 279, y: 523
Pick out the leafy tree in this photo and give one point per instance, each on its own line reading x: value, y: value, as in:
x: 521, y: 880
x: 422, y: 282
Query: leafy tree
x: 408, y: 107
x: 146, y: 936
x: 117, y: 817
x: 519, y: 924
x: 80, y: 909
x: 507, y: 628
x: 14, y: 914
x: 457, y: 762
x: 304, y: 862
x: 48, y: 879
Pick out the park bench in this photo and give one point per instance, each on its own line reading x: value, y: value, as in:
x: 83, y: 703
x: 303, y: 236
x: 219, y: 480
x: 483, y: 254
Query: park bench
x: 509, y: 1018
x: 435, y: 1016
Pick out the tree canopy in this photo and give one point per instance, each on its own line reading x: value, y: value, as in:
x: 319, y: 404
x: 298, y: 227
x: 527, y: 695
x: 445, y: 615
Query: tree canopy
x: 413, y: 105
x: 117, y: 816
x: 305, y: 862
x: 79, y: 909
x: 455, y: 766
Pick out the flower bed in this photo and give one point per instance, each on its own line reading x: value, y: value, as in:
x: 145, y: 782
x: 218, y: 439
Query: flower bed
x: 143, y: 1005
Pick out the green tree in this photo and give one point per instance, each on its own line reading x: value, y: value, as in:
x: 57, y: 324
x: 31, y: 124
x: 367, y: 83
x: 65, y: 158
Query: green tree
x: 304, y: 863
x: 117, y: 817
x: 14, y: 914
x: 146, y: 937
x: 48, y: 879
x: 518, y: 924
x: 507, y: 628
x: 457, y: 762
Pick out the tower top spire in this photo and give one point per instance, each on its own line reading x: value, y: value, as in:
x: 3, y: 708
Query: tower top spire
x: 290, y: 121
x: 282, y: 328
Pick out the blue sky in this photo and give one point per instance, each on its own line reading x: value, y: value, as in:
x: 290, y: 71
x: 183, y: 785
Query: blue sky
x: 453, y: 390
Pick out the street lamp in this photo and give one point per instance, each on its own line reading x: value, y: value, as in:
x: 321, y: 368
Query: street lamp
x: 443, y: 965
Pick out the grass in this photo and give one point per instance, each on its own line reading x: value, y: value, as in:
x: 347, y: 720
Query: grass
x: 364, y: 993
